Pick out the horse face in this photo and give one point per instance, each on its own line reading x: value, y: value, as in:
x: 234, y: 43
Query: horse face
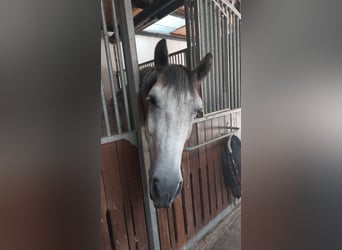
x: 174, y: 103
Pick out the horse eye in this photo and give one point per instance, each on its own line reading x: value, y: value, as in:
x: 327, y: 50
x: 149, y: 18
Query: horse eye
x: 152, y: 100
x: 199, y: 113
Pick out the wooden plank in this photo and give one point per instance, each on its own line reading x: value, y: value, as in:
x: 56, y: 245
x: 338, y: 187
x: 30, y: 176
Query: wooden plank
x: 194, y: 163
x: 217, y: 159
x: 180, y: 32
x: 113, y: 193
x: 123, y: 165
x: 211, y: 179
x: 163, y: 226
x: 105, y: 239
x: 129, y: 155
x: 171, y: 223
x: 228, y: 120
x: 178, y: 218
x: 203, y: 173
x: 187, y: 196
x: 228, y: 123
x: 223, y: 187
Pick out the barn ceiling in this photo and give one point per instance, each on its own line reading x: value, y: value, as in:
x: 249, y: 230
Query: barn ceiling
x: 157, y: 16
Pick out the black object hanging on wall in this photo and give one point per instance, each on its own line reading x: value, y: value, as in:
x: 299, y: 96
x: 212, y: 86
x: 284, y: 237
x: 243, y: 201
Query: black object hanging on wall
x: 231, y: 165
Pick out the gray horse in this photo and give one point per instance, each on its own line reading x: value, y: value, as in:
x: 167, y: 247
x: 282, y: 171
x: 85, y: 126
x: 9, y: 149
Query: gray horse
x: 173, y: 101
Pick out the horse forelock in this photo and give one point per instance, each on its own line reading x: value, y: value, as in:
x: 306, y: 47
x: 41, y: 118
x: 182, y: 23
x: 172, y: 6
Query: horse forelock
x: 177, y: 78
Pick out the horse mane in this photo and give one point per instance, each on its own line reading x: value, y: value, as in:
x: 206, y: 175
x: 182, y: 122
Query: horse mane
x: 148, y: 77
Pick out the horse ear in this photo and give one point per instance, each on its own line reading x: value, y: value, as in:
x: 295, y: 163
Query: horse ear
x: 161, y: 55
x: 202, y: 69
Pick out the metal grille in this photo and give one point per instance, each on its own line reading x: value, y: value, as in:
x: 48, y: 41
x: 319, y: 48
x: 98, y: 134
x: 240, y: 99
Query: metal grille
x: 178, y: 57
x: 116, y: 117
x: 214, y: 26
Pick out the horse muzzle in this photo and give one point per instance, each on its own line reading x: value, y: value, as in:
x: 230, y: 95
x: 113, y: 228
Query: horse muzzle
x: 163, y: 192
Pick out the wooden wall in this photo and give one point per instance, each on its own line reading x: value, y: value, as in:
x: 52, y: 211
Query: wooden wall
x: 203, y: 196
x: 122, y: 208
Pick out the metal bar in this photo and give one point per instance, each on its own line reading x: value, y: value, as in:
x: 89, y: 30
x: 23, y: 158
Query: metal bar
x: 224, y: 61
x: 216, y: 59
x: 104, y: 108
x: 183, y: 51
x: 196, y: 33
x: 217, y: 114
x: 202, y: 45
x: 188, y: 32
x: 211, y: 77
x: 235, y: 64
x: 192, y: 148
x: 110, y: 69
x: 220, y: 48
x: 231, y: 7
x: 214, y: 73
x: 121, y: 67
x: 228, y: 60
x: 131, y: 62
x: 206, y: 82
x: 231, y: 76
x: 239, y: 62
x: 128, y: 136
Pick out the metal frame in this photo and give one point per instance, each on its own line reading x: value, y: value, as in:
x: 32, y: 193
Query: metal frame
x: 192, y: 148
x: 213, y: 25
x: 131, y: 59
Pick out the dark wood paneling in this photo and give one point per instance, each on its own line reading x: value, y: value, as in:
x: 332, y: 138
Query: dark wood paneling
x: 187, y: 195
x: 202, y: 198
x: 203, y: 173
x: 105, y: 239
x: 134, y: 207
x: 194, y: 170
x: 163, y: 226
x: 113, y: 192
x: 123, y: 196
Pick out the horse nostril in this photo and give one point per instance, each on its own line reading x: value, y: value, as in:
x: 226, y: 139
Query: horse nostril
x: 155, y: 189
x: 179, y: 188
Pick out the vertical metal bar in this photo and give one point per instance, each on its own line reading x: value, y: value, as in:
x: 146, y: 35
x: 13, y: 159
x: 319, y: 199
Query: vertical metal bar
x: 121, y: 67
x: 239, y: 62
x: 212, y: 33
x: 206, y: 40
x: 211, y: 79
x: 110, y: 69
x: 231, y: 75
x: 234, y: 54
x: 220, y: 49
x: 188, y: 32
x: 196, y: 36
x: 104, y: 109
x: 202, y: 36
x: 131, y: 62
x: 225, y: 60
x: 216, y: 69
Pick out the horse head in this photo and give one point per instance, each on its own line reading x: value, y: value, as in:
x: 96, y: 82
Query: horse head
x: 172, y: 92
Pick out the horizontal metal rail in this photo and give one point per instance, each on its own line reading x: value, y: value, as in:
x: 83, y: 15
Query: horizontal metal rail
x: 129, y: 136
x: 192, y: 148
x: 216, y: 114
